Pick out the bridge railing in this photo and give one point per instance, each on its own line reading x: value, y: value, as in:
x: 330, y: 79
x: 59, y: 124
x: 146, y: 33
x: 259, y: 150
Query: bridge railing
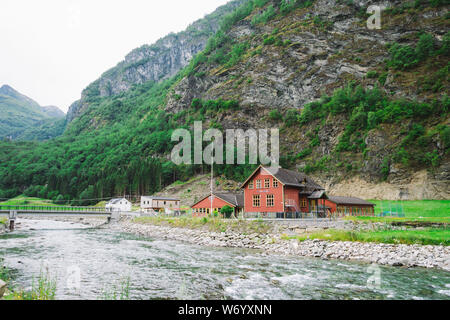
x: 52, y: 209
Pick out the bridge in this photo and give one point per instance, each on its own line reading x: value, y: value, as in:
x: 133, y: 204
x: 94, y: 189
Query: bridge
x: 13, y: 212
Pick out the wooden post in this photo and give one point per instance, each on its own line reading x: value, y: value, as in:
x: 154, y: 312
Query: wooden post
x: 12, y: 219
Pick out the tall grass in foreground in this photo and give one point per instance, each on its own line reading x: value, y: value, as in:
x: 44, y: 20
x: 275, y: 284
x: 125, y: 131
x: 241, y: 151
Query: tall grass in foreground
x: 4, y: 272
x: 42, y: 288
x: 118, y: 292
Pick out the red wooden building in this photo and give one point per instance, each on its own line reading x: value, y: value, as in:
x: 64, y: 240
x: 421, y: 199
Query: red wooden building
x: 273, y: 191
x: 350, y: 206
x: 220, y: 200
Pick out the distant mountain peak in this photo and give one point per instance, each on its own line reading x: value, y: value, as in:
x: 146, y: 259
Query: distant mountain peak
x: 7, y: 90
x: 19, y: 113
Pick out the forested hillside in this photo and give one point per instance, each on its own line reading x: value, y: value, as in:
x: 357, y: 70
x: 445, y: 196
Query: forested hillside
x: 350, y: 102
x: 19, y: 114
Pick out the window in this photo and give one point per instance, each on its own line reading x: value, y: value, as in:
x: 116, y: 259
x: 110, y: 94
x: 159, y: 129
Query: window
x: 251, y: 185
x: 275, y: 183
x: 258, y: 184
x: 270, y: 200
x: 304, y: 203
x: 256, y: 200
x: 267, y: 183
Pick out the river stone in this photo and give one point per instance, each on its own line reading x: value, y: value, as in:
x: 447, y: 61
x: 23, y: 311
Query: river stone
x: 2, y: 288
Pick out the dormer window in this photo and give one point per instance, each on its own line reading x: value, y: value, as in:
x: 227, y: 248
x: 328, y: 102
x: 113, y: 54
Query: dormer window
x: 258, y: 184
x: 267, y: 183
x: 275, y: 183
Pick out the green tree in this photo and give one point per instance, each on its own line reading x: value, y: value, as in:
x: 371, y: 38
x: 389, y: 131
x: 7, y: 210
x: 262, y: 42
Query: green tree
x: 227, y: 211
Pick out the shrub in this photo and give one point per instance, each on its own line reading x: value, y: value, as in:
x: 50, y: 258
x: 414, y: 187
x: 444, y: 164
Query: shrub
x: 372, y: 74
x: 275, y: 115
x: 264, y: 17
x: 291, y: 117
x: 227, y: 211
x: 402, y: 57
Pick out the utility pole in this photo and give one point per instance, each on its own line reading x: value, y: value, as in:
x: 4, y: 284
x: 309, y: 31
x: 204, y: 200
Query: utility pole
x: 212, y: 178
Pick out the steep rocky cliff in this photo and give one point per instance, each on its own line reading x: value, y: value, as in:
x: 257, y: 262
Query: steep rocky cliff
x: 300, y: 57
x: 155, y: 62
x: 366, y: 112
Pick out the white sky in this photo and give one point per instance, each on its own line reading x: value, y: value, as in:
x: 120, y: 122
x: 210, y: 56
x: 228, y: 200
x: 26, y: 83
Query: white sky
x: 50, y: 50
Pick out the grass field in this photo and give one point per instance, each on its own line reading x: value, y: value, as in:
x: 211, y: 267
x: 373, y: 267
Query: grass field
x: 27, y: 201
x: 211, y: 224
x: 415, y: 209
x: 3, y: 220
x: 423, y: 237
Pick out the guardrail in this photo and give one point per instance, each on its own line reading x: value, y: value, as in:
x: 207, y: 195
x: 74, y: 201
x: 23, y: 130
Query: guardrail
x: 284, y: 215
x: 56, y: 209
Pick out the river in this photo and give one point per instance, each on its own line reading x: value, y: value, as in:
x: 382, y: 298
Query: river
x: 160, y: 269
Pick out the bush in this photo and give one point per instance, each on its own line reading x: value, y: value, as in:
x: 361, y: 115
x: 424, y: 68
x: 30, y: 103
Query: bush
x: 275, y: 115
x: 372, y: 74
x: 291, y: 118
x: 264, y: 17
x: 425, y: 46
x: 402, y: 57
x: 227, y: 211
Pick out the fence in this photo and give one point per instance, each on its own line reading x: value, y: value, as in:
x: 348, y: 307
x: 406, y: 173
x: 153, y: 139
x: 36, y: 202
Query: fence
x: 52, y: 209
x: 284, y: 215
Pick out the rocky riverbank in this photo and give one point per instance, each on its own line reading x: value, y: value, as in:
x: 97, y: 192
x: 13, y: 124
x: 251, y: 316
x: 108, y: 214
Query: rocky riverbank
x: 383, y: 254
x: 274, y: 243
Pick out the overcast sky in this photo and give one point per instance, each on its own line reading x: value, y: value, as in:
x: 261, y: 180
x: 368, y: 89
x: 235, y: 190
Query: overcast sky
x: 50, y: 50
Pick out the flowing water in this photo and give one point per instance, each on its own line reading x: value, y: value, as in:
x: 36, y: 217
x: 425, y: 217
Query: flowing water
x: 160, y: 269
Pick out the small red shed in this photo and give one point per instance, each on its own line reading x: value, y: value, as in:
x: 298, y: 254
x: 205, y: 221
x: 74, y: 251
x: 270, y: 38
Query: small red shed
x: 220, y: 200
x: 350, y: 206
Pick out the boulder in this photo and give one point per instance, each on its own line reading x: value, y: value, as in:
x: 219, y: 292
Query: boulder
x: 2, y: 288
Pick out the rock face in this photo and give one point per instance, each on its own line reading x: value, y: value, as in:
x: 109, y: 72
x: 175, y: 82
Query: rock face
x: 155, y: 62
x: 315, y: 51
x: 2, y: 288
x: 314, y: 61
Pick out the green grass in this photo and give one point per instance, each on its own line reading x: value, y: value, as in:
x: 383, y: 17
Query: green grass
x: 391, y: 220
x: 43, y: 288
x: 422, y: 237
x: 415, y: 209
x: 27, y: 201
x: 3, y: 220
x: 119, y: 291
x: 211, y: 224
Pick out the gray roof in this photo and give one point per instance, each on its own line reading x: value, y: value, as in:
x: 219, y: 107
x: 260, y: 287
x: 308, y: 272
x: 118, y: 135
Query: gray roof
x: 350, y: 201
x: 294, y: 178
x: 115, y: 201
x: 161, y: 198
x: 236, y: 199
x: 318, y: 195
x: 233, y: 198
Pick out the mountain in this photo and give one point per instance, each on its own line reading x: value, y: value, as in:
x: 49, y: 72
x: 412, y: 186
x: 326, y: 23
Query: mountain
x: 365, y: 112
x: 19, y: 113
x: 53, y: 112
x: 155, y: 62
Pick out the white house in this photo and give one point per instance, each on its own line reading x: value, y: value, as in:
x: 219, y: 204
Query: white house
x: 118, y: 205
